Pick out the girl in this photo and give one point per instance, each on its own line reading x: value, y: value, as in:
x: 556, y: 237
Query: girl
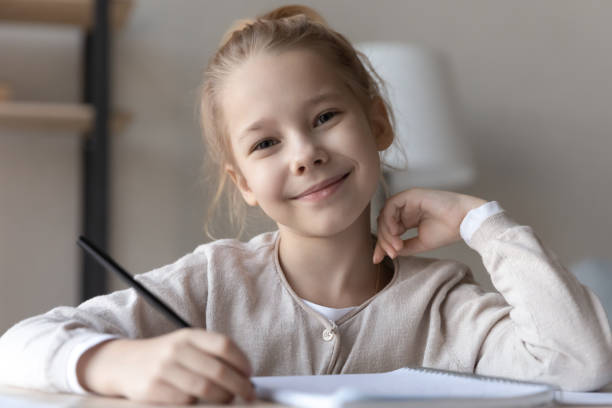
x: 296, y: 122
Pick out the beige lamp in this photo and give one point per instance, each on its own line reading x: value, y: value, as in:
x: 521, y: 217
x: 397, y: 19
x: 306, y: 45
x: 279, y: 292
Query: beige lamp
x: 427, y: 125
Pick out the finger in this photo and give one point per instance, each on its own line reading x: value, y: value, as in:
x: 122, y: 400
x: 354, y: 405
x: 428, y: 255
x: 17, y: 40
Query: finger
x: 165, y: 393
x: 405, y: 208
x: 389, y: 242
x: 391, y: 226
x: 223, y: 347
x: 379, y: 253
x: 413, y: 246
x: 384, y: 248
x: 217, y: 371
x: 376, y: 258
x: 392, y: 239
x: 194, y: 384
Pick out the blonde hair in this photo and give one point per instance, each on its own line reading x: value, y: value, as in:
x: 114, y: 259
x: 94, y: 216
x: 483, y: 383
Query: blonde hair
x: 282, y: 29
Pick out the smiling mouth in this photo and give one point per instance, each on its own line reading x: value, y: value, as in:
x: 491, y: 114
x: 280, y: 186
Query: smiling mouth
x: 325, y: 191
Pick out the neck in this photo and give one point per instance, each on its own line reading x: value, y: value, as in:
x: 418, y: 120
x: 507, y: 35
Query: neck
x: 334, y: 270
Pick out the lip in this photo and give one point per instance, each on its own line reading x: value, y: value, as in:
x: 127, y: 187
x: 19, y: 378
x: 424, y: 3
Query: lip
x: 329, y: 184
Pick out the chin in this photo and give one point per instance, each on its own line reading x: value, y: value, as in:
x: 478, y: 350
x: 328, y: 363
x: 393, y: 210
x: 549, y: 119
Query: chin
x: 330, y: 228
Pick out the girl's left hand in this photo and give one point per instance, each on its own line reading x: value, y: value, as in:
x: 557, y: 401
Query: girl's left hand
x: 436, y: 214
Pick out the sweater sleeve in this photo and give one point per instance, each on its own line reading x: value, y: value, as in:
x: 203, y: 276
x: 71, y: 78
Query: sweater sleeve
x: 37, y: 352
x: 555, y: 330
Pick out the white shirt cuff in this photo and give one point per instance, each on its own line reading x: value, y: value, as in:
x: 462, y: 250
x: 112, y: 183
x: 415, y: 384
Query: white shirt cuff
x: 76, y: 354
x: 475, y: 217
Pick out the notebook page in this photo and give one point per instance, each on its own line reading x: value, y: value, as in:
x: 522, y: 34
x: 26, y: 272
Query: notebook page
x: 583, y: 398
x: 404, y: 383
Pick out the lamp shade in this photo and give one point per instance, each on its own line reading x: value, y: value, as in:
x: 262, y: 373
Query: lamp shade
x: 427, y: 126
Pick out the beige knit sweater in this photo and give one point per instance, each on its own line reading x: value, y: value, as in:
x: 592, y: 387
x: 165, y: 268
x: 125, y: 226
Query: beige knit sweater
x: 542, y: 326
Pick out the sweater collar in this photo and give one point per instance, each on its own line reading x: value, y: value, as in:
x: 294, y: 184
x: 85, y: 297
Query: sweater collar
x: 387, y: 264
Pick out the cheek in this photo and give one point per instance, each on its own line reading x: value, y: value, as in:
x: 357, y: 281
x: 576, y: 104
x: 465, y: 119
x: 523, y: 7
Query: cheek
x: 265, y: 182
x: 369, y: 158
x: 364, y: 145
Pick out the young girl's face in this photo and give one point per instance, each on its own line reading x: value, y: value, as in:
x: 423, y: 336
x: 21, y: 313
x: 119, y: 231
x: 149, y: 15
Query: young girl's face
x: 293, y: 124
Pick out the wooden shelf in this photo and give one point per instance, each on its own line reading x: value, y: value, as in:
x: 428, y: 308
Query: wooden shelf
x: 73, y: 12
x: 97, y: 29
x: 55, y: 116
x: 5, y: 92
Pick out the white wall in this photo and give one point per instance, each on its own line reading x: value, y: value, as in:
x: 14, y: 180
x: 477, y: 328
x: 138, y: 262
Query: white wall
x: 532, y: 79
x: 39, y: 176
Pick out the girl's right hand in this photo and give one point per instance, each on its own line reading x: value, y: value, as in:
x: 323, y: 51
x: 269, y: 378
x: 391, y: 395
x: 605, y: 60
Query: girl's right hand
x: 178, y: 368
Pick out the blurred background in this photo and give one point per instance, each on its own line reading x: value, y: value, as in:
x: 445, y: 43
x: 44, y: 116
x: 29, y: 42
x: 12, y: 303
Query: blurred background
x: 531, y: 86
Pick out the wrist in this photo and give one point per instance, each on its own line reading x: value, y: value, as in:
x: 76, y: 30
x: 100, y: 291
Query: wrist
x: 98, y: 369
x: 475, y: 217
x: 472, y: 203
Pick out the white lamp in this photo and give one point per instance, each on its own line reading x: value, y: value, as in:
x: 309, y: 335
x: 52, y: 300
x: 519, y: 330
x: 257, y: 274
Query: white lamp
x: 427, y: 127
x: 426, y: 122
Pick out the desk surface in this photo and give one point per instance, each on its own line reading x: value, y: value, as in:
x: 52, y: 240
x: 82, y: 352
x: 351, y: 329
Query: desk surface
x: 72, y: 400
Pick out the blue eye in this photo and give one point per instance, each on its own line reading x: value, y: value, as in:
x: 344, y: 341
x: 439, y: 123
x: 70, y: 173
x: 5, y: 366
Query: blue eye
x: 327, y: 115
x: 263, y: 143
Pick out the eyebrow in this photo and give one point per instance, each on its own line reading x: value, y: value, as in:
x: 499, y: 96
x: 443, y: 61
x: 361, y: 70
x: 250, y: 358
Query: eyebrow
x: 310, y: 102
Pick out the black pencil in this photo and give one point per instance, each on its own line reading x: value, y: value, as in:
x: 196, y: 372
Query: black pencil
x: 109, y: 263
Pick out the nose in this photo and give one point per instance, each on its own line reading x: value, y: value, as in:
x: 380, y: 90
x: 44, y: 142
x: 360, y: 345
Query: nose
x: 307, y: 155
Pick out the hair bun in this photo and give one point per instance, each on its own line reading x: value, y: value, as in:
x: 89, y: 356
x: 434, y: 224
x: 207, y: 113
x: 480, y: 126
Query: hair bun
x: 238, y: 25
x: 276, y: 14
x: 293, y: 10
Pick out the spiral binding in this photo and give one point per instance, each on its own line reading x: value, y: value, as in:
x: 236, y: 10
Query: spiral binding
x: 478, y: 377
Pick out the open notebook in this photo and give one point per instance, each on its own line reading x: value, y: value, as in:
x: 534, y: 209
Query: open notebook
x: 411, y: 387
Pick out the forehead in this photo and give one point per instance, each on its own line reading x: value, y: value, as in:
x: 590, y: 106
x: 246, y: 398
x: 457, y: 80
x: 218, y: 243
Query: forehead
x: 270, y: 84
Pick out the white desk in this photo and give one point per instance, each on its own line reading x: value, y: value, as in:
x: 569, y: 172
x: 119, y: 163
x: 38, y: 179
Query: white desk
x: 48, y: 400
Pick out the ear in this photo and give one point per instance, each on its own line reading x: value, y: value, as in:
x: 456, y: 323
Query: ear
x: 380, y: 124
x: 241, y: 184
